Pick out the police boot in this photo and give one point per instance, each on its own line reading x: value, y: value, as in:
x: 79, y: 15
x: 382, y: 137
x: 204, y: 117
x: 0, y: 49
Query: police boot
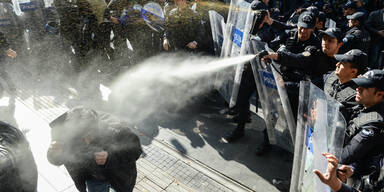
x: 234, y: 135
x: 236, y: 117
x: 264, y: 146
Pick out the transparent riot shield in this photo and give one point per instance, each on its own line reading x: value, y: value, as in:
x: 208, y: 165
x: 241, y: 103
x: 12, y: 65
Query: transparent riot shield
x: 237, y: 33
x: 275, y: 118
x: 153, y: 16
x: 217, y: 28
x: 320, y: 128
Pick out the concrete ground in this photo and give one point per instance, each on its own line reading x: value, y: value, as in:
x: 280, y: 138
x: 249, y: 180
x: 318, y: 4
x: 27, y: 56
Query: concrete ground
x: 182, y: 150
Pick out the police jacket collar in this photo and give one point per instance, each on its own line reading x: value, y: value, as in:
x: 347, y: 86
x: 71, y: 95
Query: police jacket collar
x: 347, y: 84
x: 378, y: 108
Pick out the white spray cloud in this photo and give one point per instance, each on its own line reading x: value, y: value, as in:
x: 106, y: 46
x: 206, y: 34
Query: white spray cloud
x: 166, y: 83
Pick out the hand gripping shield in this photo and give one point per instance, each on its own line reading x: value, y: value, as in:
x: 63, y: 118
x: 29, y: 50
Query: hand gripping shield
x: 320, y: 128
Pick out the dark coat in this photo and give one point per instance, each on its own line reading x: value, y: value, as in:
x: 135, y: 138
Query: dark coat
x: 113, y: 136
x: 18, y: 172
x: 182, y: 27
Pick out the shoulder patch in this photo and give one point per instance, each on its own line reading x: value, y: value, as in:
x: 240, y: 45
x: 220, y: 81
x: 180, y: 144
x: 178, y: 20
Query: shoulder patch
x: 306, y: 53
x: 367, y: 132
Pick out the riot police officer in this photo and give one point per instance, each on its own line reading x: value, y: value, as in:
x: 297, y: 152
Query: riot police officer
x: 313, y: 62
x: 248, y: 87
x: 364, y: 136
x: 357, y: 37
x: 296, y: 40
x: 310, y: 64
x: 339, y: 84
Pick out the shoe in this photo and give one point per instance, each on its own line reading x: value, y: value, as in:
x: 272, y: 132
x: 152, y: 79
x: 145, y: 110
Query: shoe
x: 233, y: 136
x: 236, y: 119
x: 282, y: 185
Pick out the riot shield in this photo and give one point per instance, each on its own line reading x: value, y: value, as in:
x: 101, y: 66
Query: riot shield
x: 320, y: 128
x: 236, y: 40
x: 217, y: 28
x: 275, y: 118
x: 153, y: 16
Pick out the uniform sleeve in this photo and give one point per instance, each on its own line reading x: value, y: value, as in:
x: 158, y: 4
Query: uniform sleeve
x: 301, y: 60
x: 361, y: 144
x: 347, y: 42
x: 346, y: 188
x: 278, y: 26
x: 275, y: 43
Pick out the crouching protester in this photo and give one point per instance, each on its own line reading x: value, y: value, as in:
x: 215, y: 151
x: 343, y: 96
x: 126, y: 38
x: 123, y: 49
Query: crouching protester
x: 18, y: 172
x: 98, y: 150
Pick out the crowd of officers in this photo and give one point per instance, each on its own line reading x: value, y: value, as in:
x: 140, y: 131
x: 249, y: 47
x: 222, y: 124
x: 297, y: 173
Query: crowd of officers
x: 337, y: 45
x: 344, y: 59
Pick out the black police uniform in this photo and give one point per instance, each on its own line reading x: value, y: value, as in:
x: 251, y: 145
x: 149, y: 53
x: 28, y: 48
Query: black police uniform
x: 312, y: 64
x: 182, y: 27
x: 257, y: 5
x: 374, y: 24
x: 344, y: 93
x: 290, y: 74
x: 291, y: 42
x: 356, y: 38
x: 364, y: 139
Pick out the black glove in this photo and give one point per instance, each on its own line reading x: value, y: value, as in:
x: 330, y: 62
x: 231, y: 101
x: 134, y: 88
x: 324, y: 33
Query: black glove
x: 262, y: 54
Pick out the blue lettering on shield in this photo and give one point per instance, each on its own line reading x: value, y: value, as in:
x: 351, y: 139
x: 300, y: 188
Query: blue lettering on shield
x: 268, y: 79
x: 237, y: 36
x: 30, y: 6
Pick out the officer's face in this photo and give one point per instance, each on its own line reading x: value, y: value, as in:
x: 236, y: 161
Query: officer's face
x: 304, y: 33
x: 344, y: 71
x: 358, y: 3
x: 367, y: 96
x: 329, y: 45
x: 352, y: 23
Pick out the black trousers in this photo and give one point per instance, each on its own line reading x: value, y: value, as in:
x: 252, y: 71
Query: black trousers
x: 246, y: 90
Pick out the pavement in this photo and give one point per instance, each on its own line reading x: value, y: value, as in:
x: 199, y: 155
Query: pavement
x: 182, y: 150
